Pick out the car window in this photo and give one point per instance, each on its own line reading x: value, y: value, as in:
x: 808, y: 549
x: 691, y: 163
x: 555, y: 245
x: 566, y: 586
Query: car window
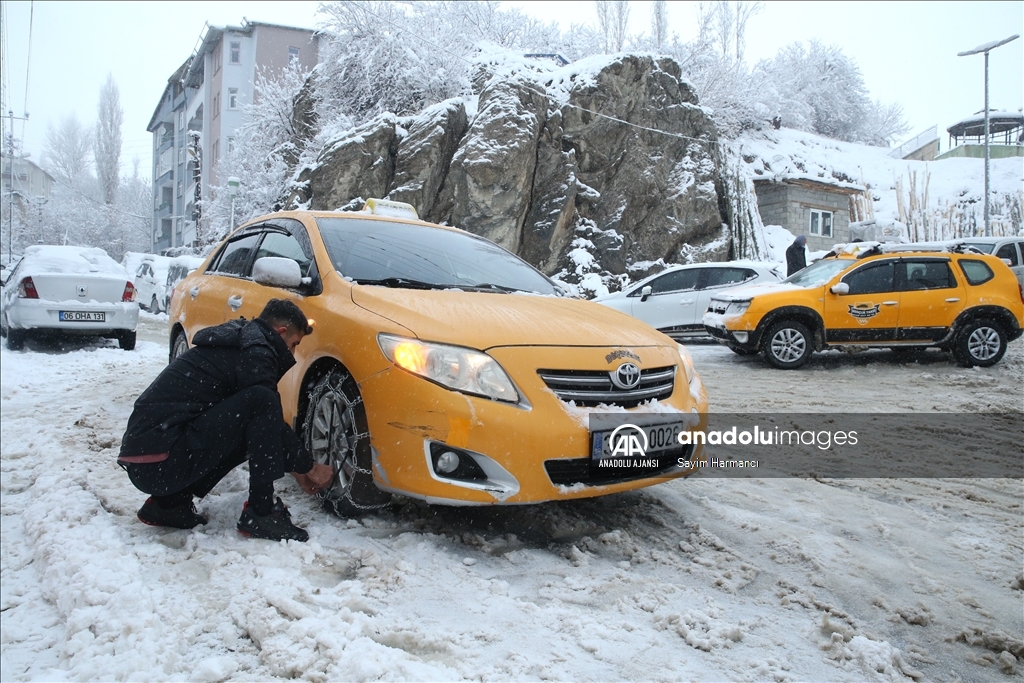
x: 718, y: 277
x: 235, y: 256
x: 1009, y: 251
x: 818, y: 273
x: 676, y: 281
x: 871, y: 279
x: 976, y: 272
x: 284, y: 245
x: 407, y: 255
x: 926, y: 274
x: 981, y: 246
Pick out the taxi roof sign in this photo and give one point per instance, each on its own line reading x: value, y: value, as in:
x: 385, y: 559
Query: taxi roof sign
x: 392, y: 209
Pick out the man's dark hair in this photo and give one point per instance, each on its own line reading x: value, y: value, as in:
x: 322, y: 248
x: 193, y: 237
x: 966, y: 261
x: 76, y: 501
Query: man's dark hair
x: 280, y: 312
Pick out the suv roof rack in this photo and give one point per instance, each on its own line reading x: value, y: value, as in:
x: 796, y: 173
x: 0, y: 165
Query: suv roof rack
x: 958, y: 246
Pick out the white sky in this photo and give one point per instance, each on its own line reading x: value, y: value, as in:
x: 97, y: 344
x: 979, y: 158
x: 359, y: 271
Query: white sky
x: 906, y: 52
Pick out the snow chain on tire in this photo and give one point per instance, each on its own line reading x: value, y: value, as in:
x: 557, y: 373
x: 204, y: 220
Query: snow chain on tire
x: 336, y: 421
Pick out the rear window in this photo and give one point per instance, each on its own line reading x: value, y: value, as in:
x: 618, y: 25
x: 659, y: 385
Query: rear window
x: 976, y: 272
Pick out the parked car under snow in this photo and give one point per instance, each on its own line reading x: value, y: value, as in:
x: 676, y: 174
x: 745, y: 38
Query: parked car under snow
x: 71, y: 290
x: 674, y: 300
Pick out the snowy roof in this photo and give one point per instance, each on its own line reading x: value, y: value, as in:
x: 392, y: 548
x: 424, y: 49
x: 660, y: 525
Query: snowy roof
x: 998, y: 122
x: 812, y: 182
x: 76, y: 260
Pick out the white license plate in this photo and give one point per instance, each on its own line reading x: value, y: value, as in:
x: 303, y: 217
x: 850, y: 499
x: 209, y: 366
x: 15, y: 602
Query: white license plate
x: 660, y: 438
x: 82, y: 316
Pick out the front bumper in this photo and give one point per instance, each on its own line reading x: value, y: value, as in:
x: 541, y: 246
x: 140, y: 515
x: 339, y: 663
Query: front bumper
x: 41, y: 314
x: 532, y: 453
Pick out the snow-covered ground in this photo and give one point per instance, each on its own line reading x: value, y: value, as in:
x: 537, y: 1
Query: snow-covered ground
x: 703, y: 579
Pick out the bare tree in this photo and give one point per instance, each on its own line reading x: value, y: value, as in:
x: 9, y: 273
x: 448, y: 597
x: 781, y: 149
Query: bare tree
x: 744, y: 10
x: 67, y: 150
x: 620, y: 23
x: 604, y: 22
x: 659, y: 22
x: 107, y: 152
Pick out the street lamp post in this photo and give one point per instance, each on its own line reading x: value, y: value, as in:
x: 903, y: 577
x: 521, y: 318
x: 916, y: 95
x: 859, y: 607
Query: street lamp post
x: 986, y: 48
x: 232, y: 189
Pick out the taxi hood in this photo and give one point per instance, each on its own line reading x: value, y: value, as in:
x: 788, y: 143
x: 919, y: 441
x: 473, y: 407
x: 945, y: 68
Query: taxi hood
x: 484, y: 320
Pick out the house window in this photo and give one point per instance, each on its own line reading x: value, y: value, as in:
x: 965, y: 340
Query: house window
x: 821, y: 223
x: 293, y: 54
x: 232, y: 98
x: 216, y: 150
x: 217, y: 58
x: 181, y: 120
x: 236, y: 52
x: 216, y: 106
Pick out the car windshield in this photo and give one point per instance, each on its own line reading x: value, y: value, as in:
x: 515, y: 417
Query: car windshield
x: 818, y: 273
x: 396, y: 254
x: 981, y: 246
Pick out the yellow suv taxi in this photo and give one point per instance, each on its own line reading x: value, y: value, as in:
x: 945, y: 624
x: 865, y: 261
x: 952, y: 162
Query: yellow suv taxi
x: 962, y: 301
x: 440, y: 365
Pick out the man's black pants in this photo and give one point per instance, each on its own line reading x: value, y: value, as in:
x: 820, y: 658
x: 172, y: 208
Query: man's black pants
x: 247, y: 426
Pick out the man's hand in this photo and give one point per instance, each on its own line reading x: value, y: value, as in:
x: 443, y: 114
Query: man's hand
x: 316, y: 480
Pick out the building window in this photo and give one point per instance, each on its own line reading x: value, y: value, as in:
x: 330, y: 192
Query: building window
x: 231, y: 145
x: 216, y: 106
x: 821, y: 223
x: 179, y: 188
x: 217, y: 58
x: 165, y: 228
x: 293, y: 54
x: 216, y: 150
x: 181, y: 120
x: 236, y: 52
x: 232, y: 98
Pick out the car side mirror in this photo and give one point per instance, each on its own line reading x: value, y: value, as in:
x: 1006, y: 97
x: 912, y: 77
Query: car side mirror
x: 275, y: 271
x: 645, y: 292
x: 1006, y: 261
x: 840, y: 288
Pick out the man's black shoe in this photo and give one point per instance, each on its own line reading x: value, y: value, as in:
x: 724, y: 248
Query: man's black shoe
x: 276, y: 526
x: 179, y: 517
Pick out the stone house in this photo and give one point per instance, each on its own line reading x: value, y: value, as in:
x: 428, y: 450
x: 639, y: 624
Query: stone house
x: 807, y: 206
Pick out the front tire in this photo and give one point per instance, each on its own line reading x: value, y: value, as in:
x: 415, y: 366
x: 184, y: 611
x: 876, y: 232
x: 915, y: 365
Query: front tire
x: 979, y: 343
x: 787, y: 345
x: 179, y: 346
x: 336, y: 433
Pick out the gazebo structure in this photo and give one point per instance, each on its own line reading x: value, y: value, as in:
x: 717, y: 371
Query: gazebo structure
x: 1006, y: 135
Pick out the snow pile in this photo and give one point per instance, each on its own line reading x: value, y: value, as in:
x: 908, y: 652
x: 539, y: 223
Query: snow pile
x: 70, y: 260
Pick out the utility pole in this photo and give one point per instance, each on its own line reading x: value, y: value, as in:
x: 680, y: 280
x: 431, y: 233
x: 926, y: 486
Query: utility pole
x: 986, y: 48
x: 9, y: 152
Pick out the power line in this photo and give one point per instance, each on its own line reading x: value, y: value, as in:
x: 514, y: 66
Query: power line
x: 28, y: 64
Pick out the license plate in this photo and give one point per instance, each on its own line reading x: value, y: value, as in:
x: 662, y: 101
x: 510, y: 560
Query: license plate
x: 659, y: 439
x: 82, y: 316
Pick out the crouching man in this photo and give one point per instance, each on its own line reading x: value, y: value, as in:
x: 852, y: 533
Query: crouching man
x: 213, y: 408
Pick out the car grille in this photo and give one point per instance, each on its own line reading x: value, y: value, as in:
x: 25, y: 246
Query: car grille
x: 566, y: 472
x: 594, y: 387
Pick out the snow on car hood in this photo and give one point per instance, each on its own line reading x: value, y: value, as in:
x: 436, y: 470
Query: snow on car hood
x: 485, y: 320
x: 70, y: 260
x: 750, y: 291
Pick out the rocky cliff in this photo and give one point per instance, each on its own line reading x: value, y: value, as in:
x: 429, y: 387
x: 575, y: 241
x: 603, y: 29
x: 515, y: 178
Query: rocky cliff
x: 591, y: 168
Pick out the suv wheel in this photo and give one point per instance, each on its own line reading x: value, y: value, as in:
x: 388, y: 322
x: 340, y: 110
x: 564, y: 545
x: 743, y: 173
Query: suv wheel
x: 180, y: 345
x: 336, y: 434
x: 787, y: 345
x: 980, y: 342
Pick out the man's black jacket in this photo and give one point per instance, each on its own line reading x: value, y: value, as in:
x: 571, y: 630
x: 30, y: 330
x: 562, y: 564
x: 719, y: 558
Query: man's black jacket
x: 796, y: 258
x: 223, y: 361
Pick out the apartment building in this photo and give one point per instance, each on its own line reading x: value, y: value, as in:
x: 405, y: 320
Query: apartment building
x: 200, y: 111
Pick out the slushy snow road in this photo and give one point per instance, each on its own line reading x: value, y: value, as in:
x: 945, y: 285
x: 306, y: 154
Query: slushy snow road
x: 700, y: 579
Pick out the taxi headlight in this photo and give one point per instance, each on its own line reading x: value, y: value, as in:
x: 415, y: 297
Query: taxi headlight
x: 687, y: 361
x: 453, y: 367
x: 737, y: 307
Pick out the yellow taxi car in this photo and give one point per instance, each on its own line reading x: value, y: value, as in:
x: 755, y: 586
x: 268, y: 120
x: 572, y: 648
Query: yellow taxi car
x: 441, y: 366
x: 962, y: 301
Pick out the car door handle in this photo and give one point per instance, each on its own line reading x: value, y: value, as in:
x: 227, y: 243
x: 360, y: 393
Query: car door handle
x: 952, y: 300
x: 194, y: 292
x: 890, y: 303
x: 235, y: 302
x: 686, y: 302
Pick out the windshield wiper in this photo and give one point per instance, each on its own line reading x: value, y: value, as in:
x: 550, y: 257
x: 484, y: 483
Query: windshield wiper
x: 491, y: 286
x: 402, y: 283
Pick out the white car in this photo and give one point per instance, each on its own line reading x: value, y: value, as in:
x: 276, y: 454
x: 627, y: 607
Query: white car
x: 674, y: 300
x: 71, y: 290
x: 150, y: 283
x: 179, y: 269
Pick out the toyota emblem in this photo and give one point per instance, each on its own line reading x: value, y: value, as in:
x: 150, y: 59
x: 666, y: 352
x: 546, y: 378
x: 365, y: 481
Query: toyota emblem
x: 626, y: 376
